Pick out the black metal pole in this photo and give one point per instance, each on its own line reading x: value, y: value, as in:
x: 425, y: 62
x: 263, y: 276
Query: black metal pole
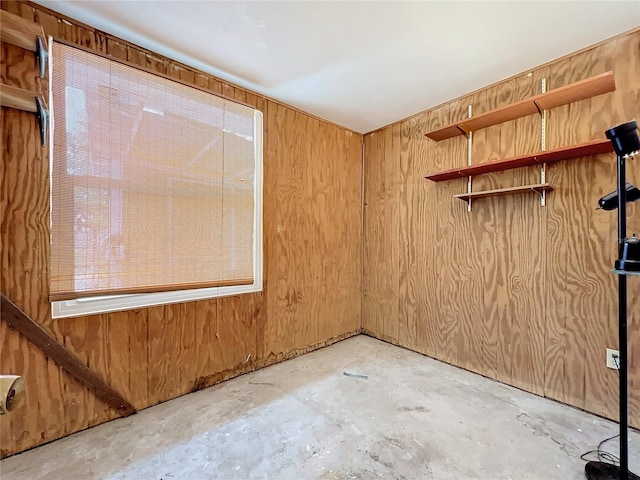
x: 622, y: 321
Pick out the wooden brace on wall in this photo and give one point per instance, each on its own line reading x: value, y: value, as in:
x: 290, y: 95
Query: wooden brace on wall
x: 57, y: 352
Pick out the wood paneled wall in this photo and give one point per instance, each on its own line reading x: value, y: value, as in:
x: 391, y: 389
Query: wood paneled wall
x: 312, y: 265
x: 514, y: 291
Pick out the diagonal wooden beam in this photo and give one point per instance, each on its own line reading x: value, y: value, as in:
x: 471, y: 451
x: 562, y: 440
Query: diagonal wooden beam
x: 57, y: 352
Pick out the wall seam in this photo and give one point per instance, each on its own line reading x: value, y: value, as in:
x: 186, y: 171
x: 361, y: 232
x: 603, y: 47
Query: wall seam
x: 362, y: 233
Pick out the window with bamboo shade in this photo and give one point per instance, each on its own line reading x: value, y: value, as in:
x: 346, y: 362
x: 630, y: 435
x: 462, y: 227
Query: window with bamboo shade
x: 155, y: 185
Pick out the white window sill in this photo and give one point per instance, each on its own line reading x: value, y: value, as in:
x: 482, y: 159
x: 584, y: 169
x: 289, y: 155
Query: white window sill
x: 116, y: 303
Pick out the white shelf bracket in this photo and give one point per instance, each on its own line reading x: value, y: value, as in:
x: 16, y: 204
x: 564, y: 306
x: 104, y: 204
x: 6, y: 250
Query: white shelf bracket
x: 469, y: 155
x: 543, y: 145
x: 539, y: 192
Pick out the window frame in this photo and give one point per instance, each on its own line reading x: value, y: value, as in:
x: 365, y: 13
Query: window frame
x: 120, y: 302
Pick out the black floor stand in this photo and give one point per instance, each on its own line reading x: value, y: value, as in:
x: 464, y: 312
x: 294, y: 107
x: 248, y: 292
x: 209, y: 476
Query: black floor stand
x: 600, y: 470
x: 605, y: 471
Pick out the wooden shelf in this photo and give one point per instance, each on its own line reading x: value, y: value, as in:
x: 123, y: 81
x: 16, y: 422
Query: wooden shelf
x: 23, y: 33
x: 28, y: 101
x: 581, y: 90
x: 538, y: 188
x: 14, y: 97
x: 595, y: 147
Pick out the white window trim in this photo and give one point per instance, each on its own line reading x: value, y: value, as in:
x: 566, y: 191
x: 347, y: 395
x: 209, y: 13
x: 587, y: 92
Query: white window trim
x: 115, y: 303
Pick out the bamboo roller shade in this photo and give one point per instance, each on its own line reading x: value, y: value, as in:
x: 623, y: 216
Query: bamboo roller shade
x: 152, y: 182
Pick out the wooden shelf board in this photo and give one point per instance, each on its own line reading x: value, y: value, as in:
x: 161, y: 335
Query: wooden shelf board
x: 14, y: 97
x: 446, y: 132
x: 587, y: 88
x: 538, y: 188
x: 21, y: 32
x: 581, y: 90
x: 595, y: 147
x: 495, y: 117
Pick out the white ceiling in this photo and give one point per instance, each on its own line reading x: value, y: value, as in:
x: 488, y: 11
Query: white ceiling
x: 362, y: 65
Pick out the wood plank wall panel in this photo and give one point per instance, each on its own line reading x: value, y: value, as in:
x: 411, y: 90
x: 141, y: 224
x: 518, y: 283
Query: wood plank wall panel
x: 407, y: 329
x: 415, y: 332
x: 594, y: 227
x: 460, y: 342
x: 380, y: 293
x: 568, y: 283
x: 24, y: 239
x: 306, y: 200
x: 446, y: 322
x: 511, y: 290
x: 312, y: 262
x: 436, y: 238
x: 516, y: 302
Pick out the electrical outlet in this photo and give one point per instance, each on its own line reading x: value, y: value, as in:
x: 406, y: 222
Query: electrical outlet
x: 613, y: 359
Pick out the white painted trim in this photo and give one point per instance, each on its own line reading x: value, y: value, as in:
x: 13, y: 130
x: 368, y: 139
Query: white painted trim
x: 114, y: 303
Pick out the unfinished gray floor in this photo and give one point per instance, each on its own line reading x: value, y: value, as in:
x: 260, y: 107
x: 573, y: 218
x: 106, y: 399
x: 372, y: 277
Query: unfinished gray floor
x: 303, y: 419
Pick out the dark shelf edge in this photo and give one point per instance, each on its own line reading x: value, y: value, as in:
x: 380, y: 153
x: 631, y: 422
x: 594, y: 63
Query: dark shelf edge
x: 595, y: 147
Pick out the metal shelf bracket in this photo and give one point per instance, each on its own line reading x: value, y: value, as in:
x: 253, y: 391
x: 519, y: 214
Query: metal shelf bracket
x: 469, y: 155
x: 42, y: 114
x: 543, y: 145
x: 41, y: 56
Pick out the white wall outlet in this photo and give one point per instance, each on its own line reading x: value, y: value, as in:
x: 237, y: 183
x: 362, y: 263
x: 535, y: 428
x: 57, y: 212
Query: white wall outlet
x: 613, y: 359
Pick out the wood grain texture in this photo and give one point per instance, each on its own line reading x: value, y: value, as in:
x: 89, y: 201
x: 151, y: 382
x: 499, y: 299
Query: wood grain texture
x: 408, y: 272
x: 18, y: 98
x: 432, y: 201
x: 312, y: 261
x: 458, y: 322
x: 498, y: 192
x: 515, y: 291
x: 380, y: 292
x: 23, y: 276
x: 54, y: 350
x: 586, y: 88
x: 20, y: 31
x: 537, y: 158
x: 519, y: 256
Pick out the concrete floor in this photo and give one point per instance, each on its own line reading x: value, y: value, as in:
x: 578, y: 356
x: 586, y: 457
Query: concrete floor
x: 412, y: 418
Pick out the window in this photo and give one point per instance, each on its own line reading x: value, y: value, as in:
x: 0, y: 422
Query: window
x: 156, y: 189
